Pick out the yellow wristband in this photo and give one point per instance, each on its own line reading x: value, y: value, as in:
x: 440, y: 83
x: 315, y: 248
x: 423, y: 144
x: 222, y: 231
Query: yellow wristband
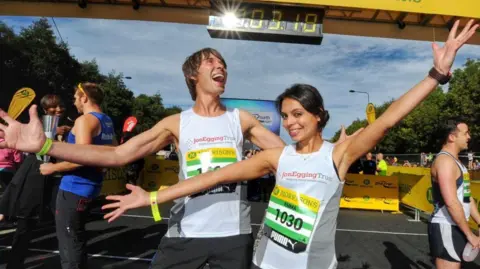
x: 154, y: 205
x: 46, y: 147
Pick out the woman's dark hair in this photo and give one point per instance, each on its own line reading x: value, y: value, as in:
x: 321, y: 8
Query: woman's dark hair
x: 309, y: 97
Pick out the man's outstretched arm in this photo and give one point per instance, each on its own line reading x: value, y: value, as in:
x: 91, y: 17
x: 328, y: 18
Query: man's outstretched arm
x: 31, y: 138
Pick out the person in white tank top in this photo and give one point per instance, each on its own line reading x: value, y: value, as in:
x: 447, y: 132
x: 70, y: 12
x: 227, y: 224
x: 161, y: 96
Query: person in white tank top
x: 304, y: 117
x: 448, y: 229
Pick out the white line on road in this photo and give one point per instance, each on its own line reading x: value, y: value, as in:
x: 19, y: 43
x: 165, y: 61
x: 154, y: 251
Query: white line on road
x: 379, y: 232
x: 259, y: 224
x: 91, y: 255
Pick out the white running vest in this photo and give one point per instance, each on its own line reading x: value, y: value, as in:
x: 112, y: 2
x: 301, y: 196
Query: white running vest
x: 440, y: 213
x: 301, y: 218
x: 205, y: 144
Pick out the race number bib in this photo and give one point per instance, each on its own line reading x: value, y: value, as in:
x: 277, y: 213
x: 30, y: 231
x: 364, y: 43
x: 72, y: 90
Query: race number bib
x: 290, y: 218
x: 466, y: 186
x: 210, y: 159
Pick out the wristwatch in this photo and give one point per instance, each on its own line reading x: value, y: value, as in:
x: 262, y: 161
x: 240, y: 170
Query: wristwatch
x: 442, y: 79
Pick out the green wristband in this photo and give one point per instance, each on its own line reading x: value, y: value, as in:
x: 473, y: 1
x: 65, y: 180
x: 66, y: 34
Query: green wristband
x: 46, y: 147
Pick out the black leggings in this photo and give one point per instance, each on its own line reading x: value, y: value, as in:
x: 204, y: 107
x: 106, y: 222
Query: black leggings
x: 71, y: 216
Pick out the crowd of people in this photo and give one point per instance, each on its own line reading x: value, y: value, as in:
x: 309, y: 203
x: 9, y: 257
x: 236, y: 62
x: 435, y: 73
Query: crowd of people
x: 211, y: 215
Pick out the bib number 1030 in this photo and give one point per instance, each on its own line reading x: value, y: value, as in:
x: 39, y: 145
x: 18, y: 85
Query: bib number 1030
x: 289, y: 220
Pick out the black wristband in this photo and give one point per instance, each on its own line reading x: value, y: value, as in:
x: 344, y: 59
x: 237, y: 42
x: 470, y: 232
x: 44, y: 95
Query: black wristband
x: 442, y: 79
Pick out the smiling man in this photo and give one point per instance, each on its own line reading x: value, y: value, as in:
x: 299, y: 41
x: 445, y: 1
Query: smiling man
x: 214, y: 226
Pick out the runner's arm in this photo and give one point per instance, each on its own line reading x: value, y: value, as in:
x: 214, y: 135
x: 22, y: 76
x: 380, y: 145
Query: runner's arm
x: 474, y: 211
x: 257, y: 133
x: 255, y: 167
x: 260, y: 164
x: 144, y: 144
x: 446, y: 175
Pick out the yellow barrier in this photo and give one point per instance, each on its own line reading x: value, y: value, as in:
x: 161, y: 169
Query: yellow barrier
x: 416, y: 189
x: 114, y: 181
x: 159, y: 173
x: 414, y: 186
x: 370, y: 192
x: 475, y: 189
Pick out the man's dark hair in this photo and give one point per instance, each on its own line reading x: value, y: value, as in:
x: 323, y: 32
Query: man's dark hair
x: 450, y: 126
x: 193, y: 62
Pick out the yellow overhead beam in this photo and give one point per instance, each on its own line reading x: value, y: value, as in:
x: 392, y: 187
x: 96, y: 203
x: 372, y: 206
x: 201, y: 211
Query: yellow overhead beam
x: 105, y: 11
x: 460, y: 8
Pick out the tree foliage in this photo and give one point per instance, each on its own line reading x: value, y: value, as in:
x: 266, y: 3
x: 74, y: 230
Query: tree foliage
x: 33, y: 58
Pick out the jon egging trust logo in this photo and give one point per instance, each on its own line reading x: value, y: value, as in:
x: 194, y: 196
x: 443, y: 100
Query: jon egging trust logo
x: 209, y: 140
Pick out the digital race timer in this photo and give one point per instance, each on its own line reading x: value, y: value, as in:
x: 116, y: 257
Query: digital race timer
x: 271, y: 23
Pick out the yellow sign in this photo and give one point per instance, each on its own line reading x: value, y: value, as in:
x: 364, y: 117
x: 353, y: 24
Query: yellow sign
x: 461, y: 8
x: 159, y: 173
x: 370, y: 192
x: 475, y: 188
x: 114, y: 181
x: 370, y: 111
x: 415, y: 186
x: 21, y: 99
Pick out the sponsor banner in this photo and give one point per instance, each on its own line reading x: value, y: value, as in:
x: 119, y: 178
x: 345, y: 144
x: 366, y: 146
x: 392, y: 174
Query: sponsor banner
x: 159, y: 173
x: 114, y: 181
x: 264, y: 110
x: 370, y: 192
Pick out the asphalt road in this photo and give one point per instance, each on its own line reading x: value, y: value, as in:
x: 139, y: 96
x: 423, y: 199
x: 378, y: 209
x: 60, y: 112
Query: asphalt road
x: 364, y: 240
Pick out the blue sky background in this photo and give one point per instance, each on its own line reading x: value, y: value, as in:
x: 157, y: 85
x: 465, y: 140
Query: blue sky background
x: 152, y: 53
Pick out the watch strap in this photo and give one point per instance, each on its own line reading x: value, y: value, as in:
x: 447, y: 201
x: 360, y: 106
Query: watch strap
x: 442, y: 79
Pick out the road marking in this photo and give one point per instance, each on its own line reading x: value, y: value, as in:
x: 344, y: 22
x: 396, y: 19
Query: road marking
x: 380, y: 232
x: 259, y: 224
x: 98, y: 255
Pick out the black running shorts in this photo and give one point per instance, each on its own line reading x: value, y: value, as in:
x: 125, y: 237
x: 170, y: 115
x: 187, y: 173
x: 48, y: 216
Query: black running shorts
x: 232, y: 252
x: 446, y: 241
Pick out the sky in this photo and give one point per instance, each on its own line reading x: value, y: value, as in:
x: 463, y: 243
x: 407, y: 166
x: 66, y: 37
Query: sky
x: 152, y: 53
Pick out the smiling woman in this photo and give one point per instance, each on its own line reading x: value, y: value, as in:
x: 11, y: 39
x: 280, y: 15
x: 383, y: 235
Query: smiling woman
x: 301, y: 97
